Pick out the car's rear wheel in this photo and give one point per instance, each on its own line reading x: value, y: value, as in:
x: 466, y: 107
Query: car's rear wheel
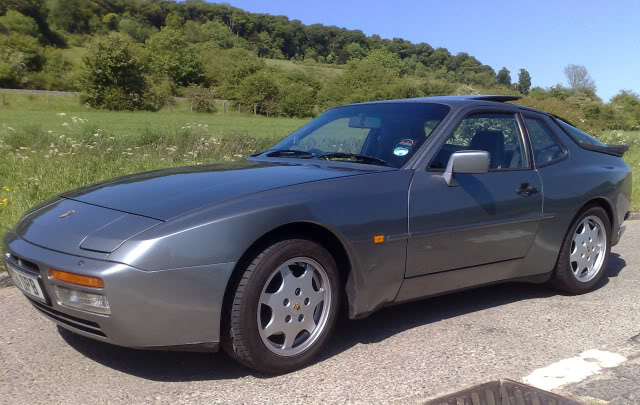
x: 585, y: 252
x: 284, y: 307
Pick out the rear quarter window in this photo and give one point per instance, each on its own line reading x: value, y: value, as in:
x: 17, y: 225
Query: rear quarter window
x: 580, y: 137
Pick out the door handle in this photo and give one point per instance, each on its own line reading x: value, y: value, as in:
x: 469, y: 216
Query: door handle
x: 526, y: 190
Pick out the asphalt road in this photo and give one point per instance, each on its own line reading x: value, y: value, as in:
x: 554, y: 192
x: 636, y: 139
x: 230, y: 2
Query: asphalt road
x: 401, y: 354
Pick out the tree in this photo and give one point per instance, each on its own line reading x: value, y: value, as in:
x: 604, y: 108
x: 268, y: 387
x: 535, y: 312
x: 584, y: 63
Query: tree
x: 36, y: 9
x: 259, y: 90
x: 355, y: 51
x: 76, y: 16
x: 15, y: 21
x: 172, y: 56
x: 111, y: 21
x: 174, y: 20
x: 113, y: 78
x: 504, y: 77
x: 579, y: 78
x: 139, y: 31
x: 298, y: 92
x: 201, y: 99
x: 524, y: 81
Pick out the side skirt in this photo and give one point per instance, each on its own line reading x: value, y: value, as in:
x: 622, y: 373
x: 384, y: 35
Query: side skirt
x: 455, y: 280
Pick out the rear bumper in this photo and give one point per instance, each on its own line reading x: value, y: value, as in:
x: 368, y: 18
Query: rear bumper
x: 617, y: 234
x: 170, y: 309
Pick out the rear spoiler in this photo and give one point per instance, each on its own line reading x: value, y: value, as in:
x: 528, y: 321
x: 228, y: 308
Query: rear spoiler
x: 615, y: 150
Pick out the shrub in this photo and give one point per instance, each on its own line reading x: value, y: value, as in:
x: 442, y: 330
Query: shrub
x: 138, y: 30
x: 201, y: 99
x: 14, y: 21
x: 113, y: 78
x: 260, y: 90
x: 172, y: 56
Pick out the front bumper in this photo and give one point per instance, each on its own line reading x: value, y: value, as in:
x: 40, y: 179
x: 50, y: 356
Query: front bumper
x: 177, y: 308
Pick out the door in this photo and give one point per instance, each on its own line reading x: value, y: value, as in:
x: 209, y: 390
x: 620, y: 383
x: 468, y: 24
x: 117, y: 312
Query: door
x: 486, y: 218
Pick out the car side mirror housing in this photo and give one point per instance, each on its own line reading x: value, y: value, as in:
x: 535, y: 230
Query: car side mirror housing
x: 466, y: 161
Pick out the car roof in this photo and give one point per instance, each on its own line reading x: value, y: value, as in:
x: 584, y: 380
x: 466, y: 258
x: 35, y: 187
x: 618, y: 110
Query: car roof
x: 476, y: 99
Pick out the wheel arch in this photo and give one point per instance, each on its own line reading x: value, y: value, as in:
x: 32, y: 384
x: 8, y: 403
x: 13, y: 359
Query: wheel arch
x: 604, y: 204
x: 305, y: 230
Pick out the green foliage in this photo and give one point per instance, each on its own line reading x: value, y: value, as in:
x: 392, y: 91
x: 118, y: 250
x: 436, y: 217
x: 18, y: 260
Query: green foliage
x: 504, y: 77
x: 15, y: 21
x: 172, y: 56
x: 435, y: 87
x: 214, y: 32
x: 38, y: 11
x: 174, y: 20
x: 626, y: 105
x: 19, y: 55
x: 260, y: 90
x: 297, y: 96
x: 218, y: 47
x: 111, y: 21
x: 113, y: 78
x: 355, y: 51
x: 372, y: 78
x: 201, y: 99
x: 160, y: 93
x: 57, y: 73
x: 138, y: 30
x: 225, y: 69
x: 524, y: 81
x: 76, y: 16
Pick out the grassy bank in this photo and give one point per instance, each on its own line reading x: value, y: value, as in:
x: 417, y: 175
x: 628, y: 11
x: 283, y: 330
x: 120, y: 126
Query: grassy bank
x: 29, y: 111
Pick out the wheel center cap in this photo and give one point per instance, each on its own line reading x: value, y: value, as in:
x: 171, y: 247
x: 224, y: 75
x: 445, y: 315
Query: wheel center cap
x: 296, y: 307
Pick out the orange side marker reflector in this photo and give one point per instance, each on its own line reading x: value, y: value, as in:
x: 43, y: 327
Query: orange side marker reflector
x: 77, y: 279
x: 378, y: 239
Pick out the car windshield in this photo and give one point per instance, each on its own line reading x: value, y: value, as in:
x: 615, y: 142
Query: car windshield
x: 385, y: 134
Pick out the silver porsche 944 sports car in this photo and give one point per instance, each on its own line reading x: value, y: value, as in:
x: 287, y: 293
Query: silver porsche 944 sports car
x: 367, y: 205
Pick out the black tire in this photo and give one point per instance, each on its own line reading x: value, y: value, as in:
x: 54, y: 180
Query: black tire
x: 563, y: 277
x: 241, y: 338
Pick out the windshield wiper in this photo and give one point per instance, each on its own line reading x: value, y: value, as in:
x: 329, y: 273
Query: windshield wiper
x: 289, y: 153
x: 355, y: 156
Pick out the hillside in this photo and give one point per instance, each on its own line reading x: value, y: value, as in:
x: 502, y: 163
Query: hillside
x: 140, y: 54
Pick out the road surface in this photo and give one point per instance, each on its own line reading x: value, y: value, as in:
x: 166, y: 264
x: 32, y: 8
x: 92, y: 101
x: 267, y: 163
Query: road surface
x: 401, y: 354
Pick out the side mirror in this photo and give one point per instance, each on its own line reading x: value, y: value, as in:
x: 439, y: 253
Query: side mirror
x: 466, y: 161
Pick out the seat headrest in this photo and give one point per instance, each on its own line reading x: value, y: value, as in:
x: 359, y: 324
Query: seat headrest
x: 490, y: 141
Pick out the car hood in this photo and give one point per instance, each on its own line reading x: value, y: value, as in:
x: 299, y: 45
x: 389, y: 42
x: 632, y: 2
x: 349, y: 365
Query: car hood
x: 165, y: 194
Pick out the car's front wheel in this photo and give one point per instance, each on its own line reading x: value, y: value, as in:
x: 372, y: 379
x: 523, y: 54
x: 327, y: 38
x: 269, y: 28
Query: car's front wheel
x: 585, y: 252
x: 284, y: 307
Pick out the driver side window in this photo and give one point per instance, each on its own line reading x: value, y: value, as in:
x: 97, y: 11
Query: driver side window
x: 496, y: 133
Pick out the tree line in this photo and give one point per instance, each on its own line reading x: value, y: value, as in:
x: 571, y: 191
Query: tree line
x: 142, y: 53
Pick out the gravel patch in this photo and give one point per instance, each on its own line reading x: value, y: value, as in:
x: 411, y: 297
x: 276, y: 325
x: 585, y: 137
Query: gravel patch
x: 5, y: 280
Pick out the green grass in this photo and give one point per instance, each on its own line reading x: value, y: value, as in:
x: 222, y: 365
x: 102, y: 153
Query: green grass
x: 74, y: 54
x: 26, y: 111
x: 320, y: 72
x: 632, y: 157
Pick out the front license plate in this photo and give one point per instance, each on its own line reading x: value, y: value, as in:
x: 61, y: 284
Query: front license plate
x: 29, y: 285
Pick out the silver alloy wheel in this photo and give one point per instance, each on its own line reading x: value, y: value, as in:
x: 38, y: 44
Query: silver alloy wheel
x: 588, y: 248
x: 294, y: 306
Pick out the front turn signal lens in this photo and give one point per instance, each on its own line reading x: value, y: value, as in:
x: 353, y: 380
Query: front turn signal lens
x: 76, y: 279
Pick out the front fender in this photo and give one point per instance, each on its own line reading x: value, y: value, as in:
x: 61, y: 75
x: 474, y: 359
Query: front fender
x: 352, y: 208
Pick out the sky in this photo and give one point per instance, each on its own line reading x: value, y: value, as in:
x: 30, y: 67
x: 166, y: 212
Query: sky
x: 541, y: 36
